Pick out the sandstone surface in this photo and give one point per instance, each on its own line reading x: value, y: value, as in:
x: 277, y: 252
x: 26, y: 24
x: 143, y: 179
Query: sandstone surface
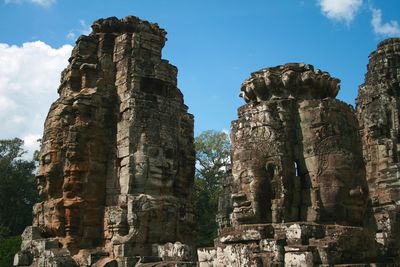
x: 378, y: 111
x: 117, y: 156
x: 298, y: 194
x: 313, y: 182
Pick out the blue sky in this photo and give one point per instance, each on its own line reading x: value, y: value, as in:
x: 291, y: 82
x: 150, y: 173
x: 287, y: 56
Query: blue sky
x: 215, y: 44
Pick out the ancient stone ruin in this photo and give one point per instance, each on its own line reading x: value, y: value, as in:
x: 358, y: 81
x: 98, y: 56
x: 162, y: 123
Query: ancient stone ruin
x: 313, y: 181
x: 378, y: 111
x: 117, y: 159
x: 299, y: 193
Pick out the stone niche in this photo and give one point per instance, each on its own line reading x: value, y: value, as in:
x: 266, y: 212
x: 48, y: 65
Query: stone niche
x: 378, y: 106
x: 298, y: 189
x: 117, y: 157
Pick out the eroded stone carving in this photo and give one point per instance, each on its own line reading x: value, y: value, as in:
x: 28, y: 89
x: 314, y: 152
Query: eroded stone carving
x: 117, y: 160
x: 117, y: 164
x: 293, y: 80
x: 298, y: 189
x: 378, y: 105
x: 296, y: 154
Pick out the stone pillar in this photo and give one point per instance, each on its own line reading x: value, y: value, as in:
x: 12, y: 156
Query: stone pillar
x: 378, y: 106
x: 117, y: 159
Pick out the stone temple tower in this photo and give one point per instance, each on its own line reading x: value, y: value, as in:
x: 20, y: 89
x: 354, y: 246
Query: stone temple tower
x: 378, y: 110
x: 296, y: 151
x: 117, y: 156
x: 298, y: 191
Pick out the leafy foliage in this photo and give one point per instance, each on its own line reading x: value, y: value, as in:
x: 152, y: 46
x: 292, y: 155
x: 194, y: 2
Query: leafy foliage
x: 17, y: 188
x: 8, y: 247
x: 212, y: 158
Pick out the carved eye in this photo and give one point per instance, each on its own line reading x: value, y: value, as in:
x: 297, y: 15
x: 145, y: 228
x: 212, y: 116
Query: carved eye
x: 47, y: 159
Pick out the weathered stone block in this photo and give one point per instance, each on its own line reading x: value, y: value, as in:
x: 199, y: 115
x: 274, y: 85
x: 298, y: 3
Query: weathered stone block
x: 241, y: 235
x: 293, y: 259
x: 174, y: 252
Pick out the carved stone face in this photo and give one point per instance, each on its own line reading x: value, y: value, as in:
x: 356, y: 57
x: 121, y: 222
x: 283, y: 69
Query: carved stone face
x: 161, y: 165
x: 49, y: 176
x: 245, y: 205
x: 155, y: 169
x: 252, y: 201
x: 49, y: 184
x: 54, y: 217
x: 342, y: 193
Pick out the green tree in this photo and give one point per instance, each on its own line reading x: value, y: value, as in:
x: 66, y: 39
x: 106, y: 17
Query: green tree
x: 17, y: 187
x: 8, y: 247
x: 212, y: 159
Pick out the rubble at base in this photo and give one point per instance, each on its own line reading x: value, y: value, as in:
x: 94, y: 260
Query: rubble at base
x: 293, y: 244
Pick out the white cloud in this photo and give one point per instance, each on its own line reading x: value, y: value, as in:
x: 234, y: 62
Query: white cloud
x: 340, y: 10
x: 42, y: 3
x: 6, y: 104
x: 29, y: 78
x: 31, y: 142
x: 390, y: 28
x: 84, y: 29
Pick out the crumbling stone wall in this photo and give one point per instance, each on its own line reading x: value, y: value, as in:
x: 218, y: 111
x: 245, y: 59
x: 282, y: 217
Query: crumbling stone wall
x: 117, y: 160
x: 378, y: 105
